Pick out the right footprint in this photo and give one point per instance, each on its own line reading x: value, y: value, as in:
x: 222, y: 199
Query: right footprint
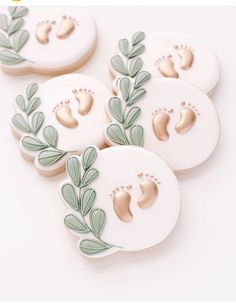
x: 43, y: 30
x: 85, y: 100
x: 186, y: 56
x: 121, y: 203
x: 67, y: 26
x: 149, y: 189
x: 188, y: 117
x: 166, y: 67
x: 64, y: 115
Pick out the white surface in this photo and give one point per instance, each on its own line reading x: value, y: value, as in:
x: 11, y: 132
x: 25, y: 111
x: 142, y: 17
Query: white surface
x: 38, y: 256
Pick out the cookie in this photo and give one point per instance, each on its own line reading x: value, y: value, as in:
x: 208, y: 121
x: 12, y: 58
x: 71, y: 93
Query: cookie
x: 59, y: 118
x: 122, y: 198
x: 178, y: 56
x: 48, y: 41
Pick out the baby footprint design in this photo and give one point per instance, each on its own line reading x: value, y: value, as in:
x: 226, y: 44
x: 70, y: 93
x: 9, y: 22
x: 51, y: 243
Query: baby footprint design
x: 166, y: 67
x: 149, y: 190
x: 85, y: 99
x: 160, y: 122
x: 64, y: 115
x: 121, y: 203
x: 43, y: 30
x: 186, y: 56
x: 187, y: 118
x: 67, y: 26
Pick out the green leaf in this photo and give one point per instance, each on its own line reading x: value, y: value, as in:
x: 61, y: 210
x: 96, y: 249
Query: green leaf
x: 88, y: 177
x: 8, y: 57
x: 37, y: 121
x: 75, y: 224
x: 135, y: 66
x: 74, y: 170
x: 20, y: 123
x: 70, y: 196
x: 32, y: 144
x: 93, y: 247
x: 136, y: 50
x: 136, y: 96
x: 87, y: 201
x: 124, y: 46
x: 88, y: 157
x: 31, y: 90
x: 33, y: 105
x: 118, y: 64
x: 131, y: 117
x: 15, y: 25
x: 125, y: 85
x: 50, y: 135
x: 50, y: 156
x: 115, y: 108
x: 19, y: 39
x: 137, y: 135
x: 97, y: 221
x: 137, y: 37
x: 19, y: 12
x: 20, y: 101
x: 4, y: 41
x: 116, y: 134
x: 3, y: 22
x: 141, y: 78
x: 12, y: 9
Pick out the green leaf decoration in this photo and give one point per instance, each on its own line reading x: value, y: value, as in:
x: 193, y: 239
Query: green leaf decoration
x: 8, y: 57
x: 88, y: 177
x: 20, y: 12
x: 125, y: 85
x: 137, y: 135
x: 19, y: 39
x: 70, y: 196
x: 4, y: 41
x: 88, y: 157
x: 116, y: 134
x: 87, y: 201
x: 124, y: 46
x: 20, y: 101
x: 50, y: 156
x: 97, y: 221
x: 141, y: 78
x: 15, y: 25
x: 37, y: 121
x: 115, y: 108
x: 33, y: 105
x: 31, y: 90
x: 75, y: 224
x: 32, y: 144
x: 74, y: 170
x: 12, y: 9
x: 131, y: 117
x: 3, y: 22
x: 136, y: 96
x: 135, y: 66
x: 136, y: 50
x: 118, y: 64
x: 20, y: 123
x: 137, y: 37
x: 50, y: 135
x: 93, y: 247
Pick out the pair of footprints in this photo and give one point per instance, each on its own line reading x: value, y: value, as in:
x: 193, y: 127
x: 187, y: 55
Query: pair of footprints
x: 122, y: 197
x: 166, y: 65
x: 44, y: 28
x: 63, y: 110
x: 161, y: 119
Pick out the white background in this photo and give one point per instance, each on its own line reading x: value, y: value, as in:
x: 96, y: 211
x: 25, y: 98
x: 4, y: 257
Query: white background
x: 38, y: 257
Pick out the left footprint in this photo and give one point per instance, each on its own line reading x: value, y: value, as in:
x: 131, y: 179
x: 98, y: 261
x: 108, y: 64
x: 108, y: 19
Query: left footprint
x: 64, y: 115
x: 43, y: 30
x: 121, y: 203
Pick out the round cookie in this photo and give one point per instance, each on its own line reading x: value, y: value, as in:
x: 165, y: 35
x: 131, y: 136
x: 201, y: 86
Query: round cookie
x: 58, y: 118
x: 48, y: 41
x: 122, y: 198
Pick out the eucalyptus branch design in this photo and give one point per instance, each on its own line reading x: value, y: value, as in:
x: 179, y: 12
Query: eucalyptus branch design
x: 122, y: 108
x: 78, y: 194
x: 13, y: 37
x: 30, y: 122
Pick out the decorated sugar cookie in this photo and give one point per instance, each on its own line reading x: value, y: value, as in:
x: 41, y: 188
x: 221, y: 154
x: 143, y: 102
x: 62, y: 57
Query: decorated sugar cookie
x: 122, y: 198
x: 48, y: 41
x: 58, y: 118
x: 178, y: 56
